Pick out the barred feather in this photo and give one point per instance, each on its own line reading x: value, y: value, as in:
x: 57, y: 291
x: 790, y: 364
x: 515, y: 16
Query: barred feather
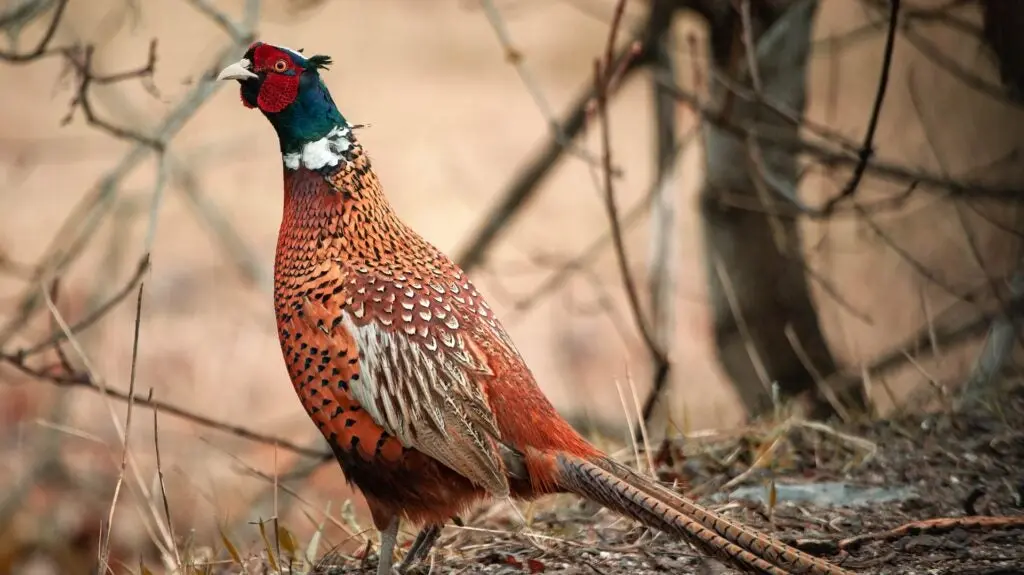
x: 426, y: 393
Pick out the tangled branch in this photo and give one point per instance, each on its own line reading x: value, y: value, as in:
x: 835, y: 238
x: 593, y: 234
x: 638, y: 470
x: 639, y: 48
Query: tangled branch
x: 80, y: 59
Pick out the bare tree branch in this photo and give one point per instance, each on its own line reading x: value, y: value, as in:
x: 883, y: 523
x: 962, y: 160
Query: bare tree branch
x: 80, y: 59
x: 515, y: 57
x: 603, y: 76
x: 42, y: 48
x: 57, y: 376
x: 587, y: 255
x: 664, y: 259
x: 83, y: 221
x: 867, y: 148
x: 921, y: 179
x: 526, y: 182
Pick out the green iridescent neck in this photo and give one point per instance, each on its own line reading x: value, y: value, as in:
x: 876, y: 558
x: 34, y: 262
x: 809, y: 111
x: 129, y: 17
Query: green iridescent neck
x: 312, y: 118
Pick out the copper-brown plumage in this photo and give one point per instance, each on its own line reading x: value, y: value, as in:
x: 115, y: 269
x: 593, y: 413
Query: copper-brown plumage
x: 410, y: 377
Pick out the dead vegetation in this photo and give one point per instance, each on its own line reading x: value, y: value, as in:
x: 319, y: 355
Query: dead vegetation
x: 963, y: 513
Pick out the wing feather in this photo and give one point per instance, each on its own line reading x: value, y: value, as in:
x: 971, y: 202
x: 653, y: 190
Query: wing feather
x: 422, y: 376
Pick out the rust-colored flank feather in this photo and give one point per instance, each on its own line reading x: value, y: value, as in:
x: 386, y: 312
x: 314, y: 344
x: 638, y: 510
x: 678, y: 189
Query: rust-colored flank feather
x: 402, y: 365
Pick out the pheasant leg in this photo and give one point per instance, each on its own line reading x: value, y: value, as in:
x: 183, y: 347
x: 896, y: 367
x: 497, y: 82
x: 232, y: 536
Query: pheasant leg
x: 421, y: 546
x: 388, y: 538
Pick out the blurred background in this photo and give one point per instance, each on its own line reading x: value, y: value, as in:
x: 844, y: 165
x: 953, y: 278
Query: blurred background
x: 819, y: 211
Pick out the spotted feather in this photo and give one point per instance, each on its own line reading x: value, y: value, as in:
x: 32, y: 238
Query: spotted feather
x: 414, y: 328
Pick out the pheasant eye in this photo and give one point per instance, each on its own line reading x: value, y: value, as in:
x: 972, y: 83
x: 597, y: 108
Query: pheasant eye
x: 280, y: 66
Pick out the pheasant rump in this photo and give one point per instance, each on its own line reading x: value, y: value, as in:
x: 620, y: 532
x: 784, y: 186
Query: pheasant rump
x: 401, y: 364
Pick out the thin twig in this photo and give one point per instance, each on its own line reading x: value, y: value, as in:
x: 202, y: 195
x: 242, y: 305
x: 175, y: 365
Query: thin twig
x: 42, y: 49
x: 85, y: 380
x: 741, y: 322
x: 826, y: 154
x: 160, y: 476
x: 588, y: 254
x: 602, y: 71
x: 663, y: 258
x: 155, y: 203
x: 87, y: 216
x: 239, y: 34
x: 867, y: 148
x: 105, y: 550
x: 641, y: 426
x: 208, y: 213
x: 762, y: 175
x: 122, y: 432
x: 87, y: 78
x: 285, y: 488
x: 527, y: 181
x: 634, y: 442
x: 949, y: 338
x: 515, y: 57
x: 101, y: 311
x: 827, y: 392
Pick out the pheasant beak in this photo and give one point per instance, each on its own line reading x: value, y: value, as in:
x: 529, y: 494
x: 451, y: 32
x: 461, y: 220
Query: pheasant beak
x: 237, y: 71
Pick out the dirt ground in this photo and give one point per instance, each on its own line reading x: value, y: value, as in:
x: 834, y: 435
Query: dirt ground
x: 958, y: 463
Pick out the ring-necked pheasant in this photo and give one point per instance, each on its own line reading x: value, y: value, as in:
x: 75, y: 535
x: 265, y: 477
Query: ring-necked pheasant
x: 400, y: 362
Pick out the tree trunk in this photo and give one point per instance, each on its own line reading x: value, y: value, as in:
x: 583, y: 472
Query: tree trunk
x: 758, y: 288
x: 931, y: 264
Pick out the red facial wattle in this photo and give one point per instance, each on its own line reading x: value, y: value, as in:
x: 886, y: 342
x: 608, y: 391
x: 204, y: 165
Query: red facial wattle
x: 277, y: 92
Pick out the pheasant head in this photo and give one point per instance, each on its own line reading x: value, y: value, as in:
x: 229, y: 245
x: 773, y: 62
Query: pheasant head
x: 286, y: 87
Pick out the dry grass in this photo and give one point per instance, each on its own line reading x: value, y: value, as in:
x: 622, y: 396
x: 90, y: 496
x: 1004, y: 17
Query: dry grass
x: 959, y: 463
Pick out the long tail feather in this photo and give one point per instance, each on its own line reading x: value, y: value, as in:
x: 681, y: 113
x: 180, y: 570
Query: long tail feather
x: 624, y: 491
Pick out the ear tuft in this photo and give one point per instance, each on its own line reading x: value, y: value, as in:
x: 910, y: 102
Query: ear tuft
x: 319, y: 62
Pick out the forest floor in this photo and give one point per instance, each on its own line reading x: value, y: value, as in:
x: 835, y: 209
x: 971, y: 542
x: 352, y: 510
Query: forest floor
x: 952, y: 464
